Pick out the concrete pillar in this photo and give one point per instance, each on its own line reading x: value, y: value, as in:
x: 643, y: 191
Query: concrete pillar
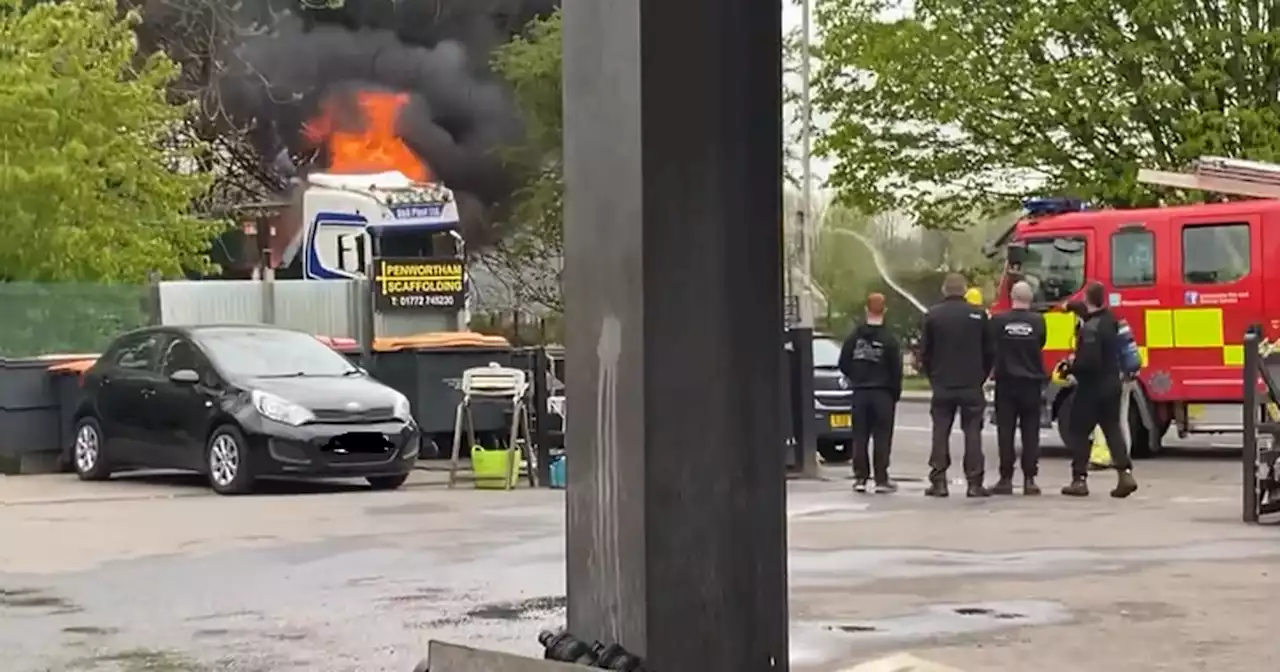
x: 673, y: 289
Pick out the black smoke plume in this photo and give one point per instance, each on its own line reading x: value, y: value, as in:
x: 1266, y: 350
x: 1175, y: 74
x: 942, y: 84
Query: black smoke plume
x: 276, y: 63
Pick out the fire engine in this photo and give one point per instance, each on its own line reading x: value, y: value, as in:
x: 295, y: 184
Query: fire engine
x: 1188, y: 279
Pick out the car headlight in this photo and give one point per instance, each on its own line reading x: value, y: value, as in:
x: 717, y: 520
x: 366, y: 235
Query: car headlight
x: 403, y: 410
x: 280, y: 409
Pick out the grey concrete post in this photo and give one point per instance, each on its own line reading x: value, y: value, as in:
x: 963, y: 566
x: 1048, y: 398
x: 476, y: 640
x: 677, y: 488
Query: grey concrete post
x: 673, y: 288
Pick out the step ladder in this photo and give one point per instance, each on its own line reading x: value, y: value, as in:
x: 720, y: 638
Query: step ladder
x: 494, y: 384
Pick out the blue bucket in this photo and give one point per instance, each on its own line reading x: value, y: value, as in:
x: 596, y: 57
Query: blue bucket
x: 557, y: 469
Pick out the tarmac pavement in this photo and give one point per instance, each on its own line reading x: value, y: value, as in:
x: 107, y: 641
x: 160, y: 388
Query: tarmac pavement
x: 156, y: 573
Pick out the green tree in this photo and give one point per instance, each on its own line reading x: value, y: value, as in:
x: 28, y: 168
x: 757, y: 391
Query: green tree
x: 964, y: 105
x: 95, y: 181
x: 529, y: 259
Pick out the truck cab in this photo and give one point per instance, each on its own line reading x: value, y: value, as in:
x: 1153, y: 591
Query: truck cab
x: 1189, y: 280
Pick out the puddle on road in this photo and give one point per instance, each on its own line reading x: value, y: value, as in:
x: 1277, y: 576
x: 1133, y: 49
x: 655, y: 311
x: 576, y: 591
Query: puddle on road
x: 35, y: 598
x: 814, y: 642
x: 862, y: 565
x: 843, y: 511
x: 537, y: 607
x: 141, y: 660
x: 943, y: 620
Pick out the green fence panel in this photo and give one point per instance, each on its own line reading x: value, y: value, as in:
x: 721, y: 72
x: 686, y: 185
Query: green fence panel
x: 48, y: 318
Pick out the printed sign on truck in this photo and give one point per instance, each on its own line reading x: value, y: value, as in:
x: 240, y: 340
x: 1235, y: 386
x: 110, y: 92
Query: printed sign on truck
x: 408, y: 283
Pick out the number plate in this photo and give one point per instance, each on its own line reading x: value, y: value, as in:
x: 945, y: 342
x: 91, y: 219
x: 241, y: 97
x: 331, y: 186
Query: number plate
x: 841, y: 421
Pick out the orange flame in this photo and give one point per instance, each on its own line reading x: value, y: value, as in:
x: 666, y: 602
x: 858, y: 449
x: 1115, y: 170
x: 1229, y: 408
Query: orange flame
x: 376, y: 146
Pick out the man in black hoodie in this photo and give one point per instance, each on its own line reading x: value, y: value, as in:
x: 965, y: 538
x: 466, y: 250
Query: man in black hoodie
x: 1095, y: 364
x: 872, y: 363
x: 956, y: 353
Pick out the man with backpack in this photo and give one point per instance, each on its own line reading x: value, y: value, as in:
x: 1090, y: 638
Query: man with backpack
x: 1103, y: 357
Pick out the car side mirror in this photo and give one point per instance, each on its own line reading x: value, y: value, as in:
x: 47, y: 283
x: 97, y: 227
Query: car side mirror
x: 185, y: 377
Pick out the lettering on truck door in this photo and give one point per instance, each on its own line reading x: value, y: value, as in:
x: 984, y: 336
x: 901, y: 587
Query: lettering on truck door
x: 1215, y: 296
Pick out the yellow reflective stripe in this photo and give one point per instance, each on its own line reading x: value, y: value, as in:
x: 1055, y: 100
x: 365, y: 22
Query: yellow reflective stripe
x: 1197, y: 328
x: 1159, y: 328
x: 1060, y: 331
x: 1233, y: 355
x: 1142, y: 355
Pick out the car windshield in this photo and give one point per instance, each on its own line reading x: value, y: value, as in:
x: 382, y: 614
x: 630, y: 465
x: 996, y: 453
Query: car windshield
x: 826, y: 353
x: 1054, y: 267
x: 271, y: 353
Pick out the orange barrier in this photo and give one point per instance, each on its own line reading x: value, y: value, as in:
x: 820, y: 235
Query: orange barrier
x: 77, y: 366
x: 424, y: 341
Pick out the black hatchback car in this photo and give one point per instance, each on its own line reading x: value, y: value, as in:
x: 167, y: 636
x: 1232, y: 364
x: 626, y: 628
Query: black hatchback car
x: 832, y: 401
x: 238, y: 403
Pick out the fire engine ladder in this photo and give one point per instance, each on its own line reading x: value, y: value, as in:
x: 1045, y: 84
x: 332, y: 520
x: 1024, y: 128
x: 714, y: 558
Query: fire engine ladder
x: 1233, y: 177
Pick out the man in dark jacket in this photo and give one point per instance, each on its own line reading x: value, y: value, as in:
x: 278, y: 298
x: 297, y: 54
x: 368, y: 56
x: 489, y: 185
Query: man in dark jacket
x: 1019, y: 336
x: 1095, y: 364
x: 872, y: 363
x: 956, y: 354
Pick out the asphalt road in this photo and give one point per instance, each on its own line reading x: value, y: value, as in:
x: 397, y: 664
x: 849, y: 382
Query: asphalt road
x: 157, y: 574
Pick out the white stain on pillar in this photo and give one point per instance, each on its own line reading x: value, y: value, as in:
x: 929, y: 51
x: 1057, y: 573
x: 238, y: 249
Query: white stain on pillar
x: 606, y: 476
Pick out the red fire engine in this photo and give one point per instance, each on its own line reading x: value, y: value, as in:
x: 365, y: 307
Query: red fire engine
x: 1188, y: 279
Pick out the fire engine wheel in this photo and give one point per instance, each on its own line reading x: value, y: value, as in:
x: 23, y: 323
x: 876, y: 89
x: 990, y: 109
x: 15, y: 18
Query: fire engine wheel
x: 1063, y: 419
x: 1140, y: 440
x: 1140, y: 445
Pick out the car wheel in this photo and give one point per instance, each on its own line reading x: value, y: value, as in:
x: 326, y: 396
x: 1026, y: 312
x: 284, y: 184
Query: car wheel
x: 835, y: 452
x: 387, y: 482
x: 227, y: 459
x: 88, y: 452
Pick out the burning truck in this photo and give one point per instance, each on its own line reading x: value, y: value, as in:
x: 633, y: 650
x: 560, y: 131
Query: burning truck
x: 375, y: 198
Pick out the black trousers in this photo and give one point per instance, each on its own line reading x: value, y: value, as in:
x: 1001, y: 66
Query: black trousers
x: 1018, y: 404
x: 873, y: 412
x: 1096, y: 405
x: 970, y: 404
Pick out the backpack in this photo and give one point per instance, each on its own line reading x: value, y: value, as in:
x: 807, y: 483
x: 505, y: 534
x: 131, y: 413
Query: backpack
x: 1130, y: 358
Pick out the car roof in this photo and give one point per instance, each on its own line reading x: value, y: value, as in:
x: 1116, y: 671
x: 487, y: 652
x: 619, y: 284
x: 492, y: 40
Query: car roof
x: 195, y: 329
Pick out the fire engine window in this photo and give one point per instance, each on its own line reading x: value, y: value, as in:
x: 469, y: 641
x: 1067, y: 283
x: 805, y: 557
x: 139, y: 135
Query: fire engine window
x: 1054, y: 267
x: 1215, y: 253
x: 1133, y: 258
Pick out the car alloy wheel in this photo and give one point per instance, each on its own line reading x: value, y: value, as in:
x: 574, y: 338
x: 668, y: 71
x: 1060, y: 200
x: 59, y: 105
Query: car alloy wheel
x: 224, y: 460
x: 88, y: 448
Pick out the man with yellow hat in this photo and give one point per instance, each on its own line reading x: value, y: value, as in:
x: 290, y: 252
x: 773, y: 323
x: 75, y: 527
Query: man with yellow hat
x: 973, y: 296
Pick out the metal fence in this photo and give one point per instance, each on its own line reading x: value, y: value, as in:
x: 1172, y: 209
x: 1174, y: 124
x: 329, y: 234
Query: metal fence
x: 39, y: 318
x: 44, y: 318
x: 330, y: 308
